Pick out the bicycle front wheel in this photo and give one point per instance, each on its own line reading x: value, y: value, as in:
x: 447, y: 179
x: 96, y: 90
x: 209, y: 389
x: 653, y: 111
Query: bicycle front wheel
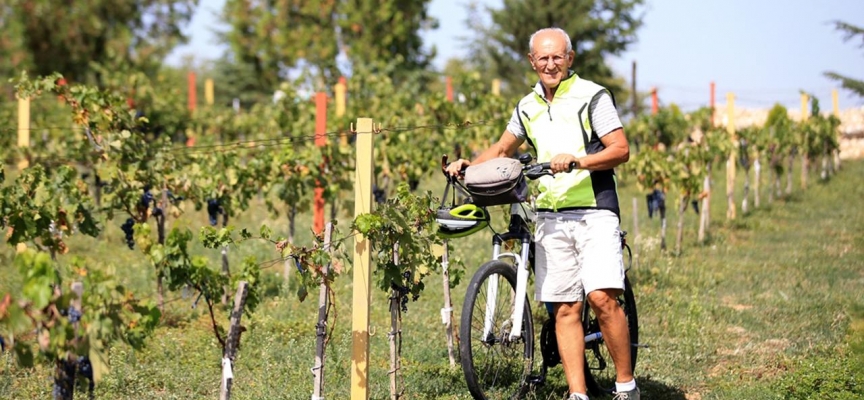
x: 600, y: 371
x: 495, y: 365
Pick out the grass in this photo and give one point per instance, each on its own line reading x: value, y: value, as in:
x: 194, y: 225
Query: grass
x: 772, y: 307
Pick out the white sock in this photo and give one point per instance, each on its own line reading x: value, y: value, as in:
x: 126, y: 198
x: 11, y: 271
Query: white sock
x: 626, y: 386
x: 581, y: 396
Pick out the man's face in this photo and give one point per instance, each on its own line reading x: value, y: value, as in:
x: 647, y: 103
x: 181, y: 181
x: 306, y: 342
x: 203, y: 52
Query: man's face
x: 550, y: 59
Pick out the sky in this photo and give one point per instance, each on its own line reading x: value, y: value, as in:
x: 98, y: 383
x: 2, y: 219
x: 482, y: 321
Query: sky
x: 763, y: 51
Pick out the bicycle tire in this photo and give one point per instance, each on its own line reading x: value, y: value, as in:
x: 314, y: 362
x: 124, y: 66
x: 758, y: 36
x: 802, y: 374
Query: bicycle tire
x: 494, y: 367
x: 599, y: 369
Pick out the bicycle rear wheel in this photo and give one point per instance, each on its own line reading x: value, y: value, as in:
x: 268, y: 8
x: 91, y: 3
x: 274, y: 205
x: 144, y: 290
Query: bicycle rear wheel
x: 599, y: 369
x: 495, y: 366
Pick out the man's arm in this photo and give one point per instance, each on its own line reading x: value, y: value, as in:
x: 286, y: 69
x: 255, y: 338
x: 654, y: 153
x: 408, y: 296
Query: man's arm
x: 617, y: 152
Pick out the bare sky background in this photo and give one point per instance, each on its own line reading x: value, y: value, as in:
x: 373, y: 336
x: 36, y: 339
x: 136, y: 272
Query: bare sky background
x: 764, y: 51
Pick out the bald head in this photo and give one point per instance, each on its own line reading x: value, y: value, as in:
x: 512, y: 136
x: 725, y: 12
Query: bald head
x: 549, y: 33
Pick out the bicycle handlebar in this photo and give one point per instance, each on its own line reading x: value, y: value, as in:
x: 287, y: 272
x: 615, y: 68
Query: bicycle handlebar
x: 535, y: 171
x: 531, y: 171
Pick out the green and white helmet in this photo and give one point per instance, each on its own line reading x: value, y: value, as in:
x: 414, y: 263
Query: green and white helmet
x: 461, y: 221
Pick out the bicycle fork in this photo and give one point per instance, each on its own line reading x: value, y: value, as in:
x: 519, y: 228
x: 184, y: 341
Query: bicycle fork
x: 518, y: 311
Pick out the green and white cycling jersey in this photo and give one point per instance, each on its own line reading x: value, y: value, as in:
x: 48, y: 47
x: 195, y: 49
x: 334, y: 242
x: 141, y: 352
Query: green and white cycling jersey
x: 580, y: 113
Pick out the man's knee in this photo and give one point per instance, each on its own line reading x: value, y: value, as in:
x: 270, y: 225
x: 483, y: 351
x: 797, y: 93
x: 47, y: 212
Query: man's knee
x: 604, y: 300
x: 568, y: 311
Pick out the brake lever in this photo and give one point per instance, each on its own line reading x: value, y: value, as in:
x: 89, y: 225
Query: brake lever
x: 535, y: 171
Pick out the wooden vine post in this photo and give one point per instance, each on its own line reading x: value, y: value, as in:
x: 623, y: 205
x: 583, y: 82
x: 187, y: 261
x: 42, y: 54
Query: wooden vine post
x: 655, y: 102
x: 192, y: 95
x: 447, y: 310
x: 733, y: 154
x: 449, y: 83
x: 711, y: 101
x: 23, y: 129
x: 635, y: 236
x: 321, y: 326
x: 208, y: 91
x: 496, y: 87
x: 705, y: 214
x: 160, y: 230
x: 362, y: 279
x: 395, y: 335
x: 805, y: 158
x: 233, y: 341
x: 757, y: 174
x: 192, y: 102
x: 340, y: 91
x: 835, y: 101
x: 320, y: 141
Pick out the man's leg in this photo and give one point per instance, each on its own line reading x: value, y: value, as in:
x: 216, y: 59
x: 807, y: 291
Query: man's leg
x: 613, y: 325
x: 571, y: 344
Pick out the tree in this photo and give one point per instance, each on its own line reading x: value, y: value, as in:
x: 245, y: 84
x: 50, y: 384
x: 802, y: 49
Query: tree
x: 276, y: 36
x: 46, y: 36
x: 375, y: 31
x: 597, y: 29
x: 850, y: 33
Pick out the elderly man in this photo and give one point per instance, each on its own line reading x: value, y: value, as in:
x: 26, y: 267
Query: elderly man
x: 578, y: 250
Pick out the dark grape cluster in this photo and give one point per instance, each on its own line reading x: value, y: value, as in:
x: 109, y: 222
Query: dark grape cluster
x: 213, y: 211
x: 85, y: 368
x: 379, y: 194
x: 403, y: 291
x: 146, y: 198
x: 74, y: 314
x: 128, y: 229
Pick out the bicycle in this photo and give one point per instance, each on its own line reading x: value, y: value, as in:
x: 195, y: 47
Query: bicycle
x: 497, y: 328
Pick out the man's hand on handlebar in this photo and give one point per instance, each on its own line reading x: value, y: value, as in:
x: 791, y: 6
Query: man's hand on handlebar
x: 457, y: 168
x: 564, y: 163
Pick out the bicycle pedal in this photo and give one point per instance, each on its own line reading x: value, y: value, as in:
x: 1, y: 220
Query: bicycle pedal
x: 535, y: 380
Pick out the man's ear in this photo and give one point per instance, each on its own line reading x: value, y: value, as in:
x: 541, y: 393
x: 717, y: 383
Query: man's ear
x: 572, y: 55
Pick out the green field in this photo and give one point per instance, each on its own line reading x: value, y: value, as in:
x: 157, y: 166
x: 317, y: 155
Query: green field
x: 772, y: 307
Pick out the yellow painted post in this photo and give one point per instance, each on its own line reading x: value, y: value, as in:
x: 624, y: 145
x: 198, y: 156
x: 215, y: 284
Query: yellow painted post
x: 804, y: 101
x: 340, y: 90
x: 23, y: 128
x: 730, y: 163
x: 496, y: 87
x: 208, y: 91
x: 362, y: 260
x: 805, y: 158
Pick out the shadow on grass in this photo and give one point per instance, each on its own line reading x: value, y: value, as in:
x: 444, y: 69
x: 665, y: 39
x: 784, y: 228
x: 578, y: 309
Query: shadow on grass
x: 652, y: 389
x: 649, y: 389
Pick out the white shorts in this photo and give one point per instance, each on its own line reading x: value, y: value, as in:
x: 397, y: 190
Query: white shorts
x: 577, y: 256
